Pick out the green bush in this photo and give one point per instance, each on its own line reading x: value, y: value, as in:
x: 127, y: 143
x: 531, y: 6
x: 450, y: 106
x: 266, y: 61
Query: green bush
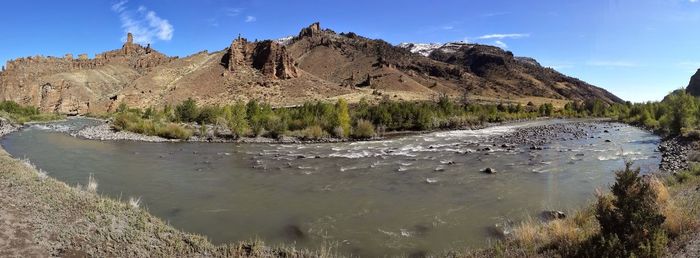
x: 630, y: 220
x: 173, y: 131
x: 363, y: 130
x: 313, y: 132
x: 187, y: 111
x: 275, y: 126
x: 237, y: 122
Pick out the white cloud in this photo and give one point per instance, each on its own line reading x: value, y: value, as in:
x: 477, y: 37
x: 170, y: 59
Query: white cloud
x: 232, y: 12
x: 119, y: 7
x: 693, y: 1
x: 447, y: 27
x: 505, y: 36
x: 612, y: 63
x: 500, y: 44
x: 250, y: 18
x: 145, y: 25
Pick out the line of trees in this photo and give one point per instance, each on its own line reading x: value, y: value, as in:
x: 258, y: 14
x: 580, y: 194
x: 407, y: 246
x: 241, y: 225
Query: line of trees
x: 677, y: 114
x: 316, y: 120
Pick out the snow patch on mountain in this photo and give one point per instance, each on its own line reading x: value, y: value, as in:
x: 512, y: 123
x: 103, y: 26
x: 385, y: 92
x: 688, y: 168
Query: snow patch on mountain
x: 426, y: 48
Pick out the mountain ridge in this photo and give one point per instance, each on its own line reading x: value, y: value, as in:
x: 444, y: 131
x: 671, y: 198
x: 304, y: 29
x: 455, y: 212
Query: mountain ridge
x: 316, y: 64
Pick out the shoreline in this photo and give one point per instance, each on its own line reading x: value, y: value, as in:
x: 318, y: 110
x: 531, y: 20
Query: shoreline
x: 42, y: 216
x: 104, y: 132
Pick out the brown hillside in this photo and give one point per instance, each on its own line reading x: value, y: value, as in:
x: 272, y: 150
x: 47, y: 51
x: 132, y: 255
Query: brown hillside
x: 318, y: 64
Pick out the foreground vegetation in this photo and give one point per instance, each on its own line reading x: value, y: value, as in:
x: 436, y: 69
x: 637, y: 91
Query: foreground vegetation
x: 20, y: 114
x: 639, y: 217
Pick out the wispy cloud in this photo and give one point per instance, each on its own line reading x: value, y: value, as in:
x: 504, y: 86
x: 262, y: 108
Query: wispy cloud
x: 144, y: 24
x: 250, y: 18
x: 500, y: 44
x: 505, y: 36
x: 693, y: 1
x: 232, y: 12
x: 615, y: 63
x: 493, y: 14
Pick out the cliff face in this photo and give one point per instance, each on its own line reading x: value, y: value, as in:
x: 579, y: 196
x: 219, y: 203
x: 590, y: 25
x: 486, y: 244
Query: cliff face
x: 269, y: 57
x: 694, y: 84
x: 316, y: 64
x: 76, y: 86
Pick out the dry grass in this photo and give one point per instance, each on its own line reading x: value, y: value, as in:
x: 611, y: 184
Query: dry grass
x: 563, y: 234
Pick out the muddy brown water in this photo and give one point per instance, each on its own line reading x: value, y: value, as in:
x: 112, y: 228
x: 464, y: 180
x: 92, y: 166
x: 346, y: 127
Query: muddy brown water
x: 414, y: 194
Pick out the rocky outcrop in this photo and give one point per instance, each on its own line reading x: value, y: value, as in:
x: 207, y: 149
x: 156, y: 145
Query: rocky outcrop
x: 77, y: 86
x: 694, y: 84
x: 310, y: 31
x: 269, y: 57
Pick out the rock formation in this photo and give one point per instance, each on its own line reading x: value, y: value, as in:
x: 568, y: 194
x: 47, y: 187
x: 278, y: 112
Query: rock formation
x: 316, y: 64
x: 310, y: 31
x: 269, y: 57
x: 694, y: 85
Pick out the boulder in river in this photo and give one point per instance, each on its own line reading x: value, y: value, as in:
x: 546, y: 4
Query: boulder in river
x: 488, y: 171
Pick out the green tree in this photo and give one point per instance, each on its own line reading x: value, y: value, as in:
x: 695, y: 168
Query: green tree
x: 187, y: 111
x: 343, y: 117
x: 237, y: 121
x: 630, y: 220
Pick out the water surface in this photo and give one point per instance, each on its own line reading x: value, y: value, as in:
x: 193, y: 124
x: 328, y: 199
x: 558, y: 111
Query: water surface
x: 420, y: 193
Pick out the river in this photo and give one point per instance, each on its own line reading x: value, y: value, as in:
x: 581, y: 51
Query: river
x: 414, y: 194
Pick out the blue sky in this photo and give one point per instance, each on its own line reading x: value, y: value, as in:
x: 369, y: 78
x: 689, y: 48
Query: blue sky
x: 639, y: 50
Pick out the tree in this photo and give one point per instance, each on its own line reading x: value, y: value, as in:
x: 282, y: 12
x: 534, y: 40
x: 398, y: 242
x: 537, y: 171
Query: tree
x: 187, y: 111
x: 343, y: 117
x: 630, y: 219
x: 237, y: 122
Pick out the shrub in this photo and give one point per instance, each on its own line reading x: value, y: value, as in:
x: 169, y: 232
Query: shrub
x: 275, y: 126
x: 237, y: 122
x: 630, y: 220
x: 313, y: 132
x: 363, y: 130
x: 208, y: 115
x: 174, y: 131
x: 122, y: 107
x: 187, y: 111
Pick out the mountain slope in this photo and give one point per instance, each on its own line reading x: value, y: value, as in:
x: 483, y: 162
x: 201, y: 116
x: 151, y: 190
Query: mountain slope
x: 316, y: 64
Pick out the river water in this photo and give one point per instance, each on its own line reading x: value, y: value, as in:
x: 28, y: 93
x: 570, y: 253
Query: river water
x: 414, y: 194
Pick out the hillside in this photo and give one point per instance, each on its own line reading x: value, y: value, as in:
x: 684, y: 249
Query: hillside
x: 317, y: 64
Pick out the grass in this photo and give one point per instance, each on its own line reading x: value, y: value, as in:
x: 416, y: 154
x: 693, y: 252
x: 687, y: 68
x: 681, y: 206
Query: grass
x: 675, y: 197
x: 22, y: 118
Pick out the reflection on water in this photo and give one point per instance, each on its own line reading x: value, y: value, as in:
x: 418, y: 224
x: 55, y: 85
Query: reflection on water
x: 398, y: 196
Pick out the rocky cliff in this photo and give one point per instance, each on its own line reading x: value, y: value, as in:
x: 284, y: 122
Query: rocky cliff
x: 694, y: 84
x: 316, y: 64
x: 268, y: 57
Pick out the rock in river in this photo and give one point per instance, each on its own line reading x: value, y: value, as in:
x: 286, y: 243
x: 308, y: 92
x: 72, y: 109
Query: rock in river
x: 488, y: 171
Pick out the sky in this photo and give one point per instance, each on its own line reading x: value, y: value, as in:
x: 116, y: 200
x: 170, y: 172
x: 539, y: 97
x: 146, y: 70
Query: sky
x: 638, y: 49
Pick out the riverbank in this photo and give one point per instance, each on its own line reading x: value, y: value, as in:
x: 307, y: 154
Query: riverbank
x: 106, y: 132
x: 43, y: 217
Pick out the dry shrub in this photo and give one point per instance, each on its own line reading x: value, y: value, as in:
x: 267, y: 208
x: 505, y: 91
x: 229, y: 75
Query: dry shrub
x: 678, y: 220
